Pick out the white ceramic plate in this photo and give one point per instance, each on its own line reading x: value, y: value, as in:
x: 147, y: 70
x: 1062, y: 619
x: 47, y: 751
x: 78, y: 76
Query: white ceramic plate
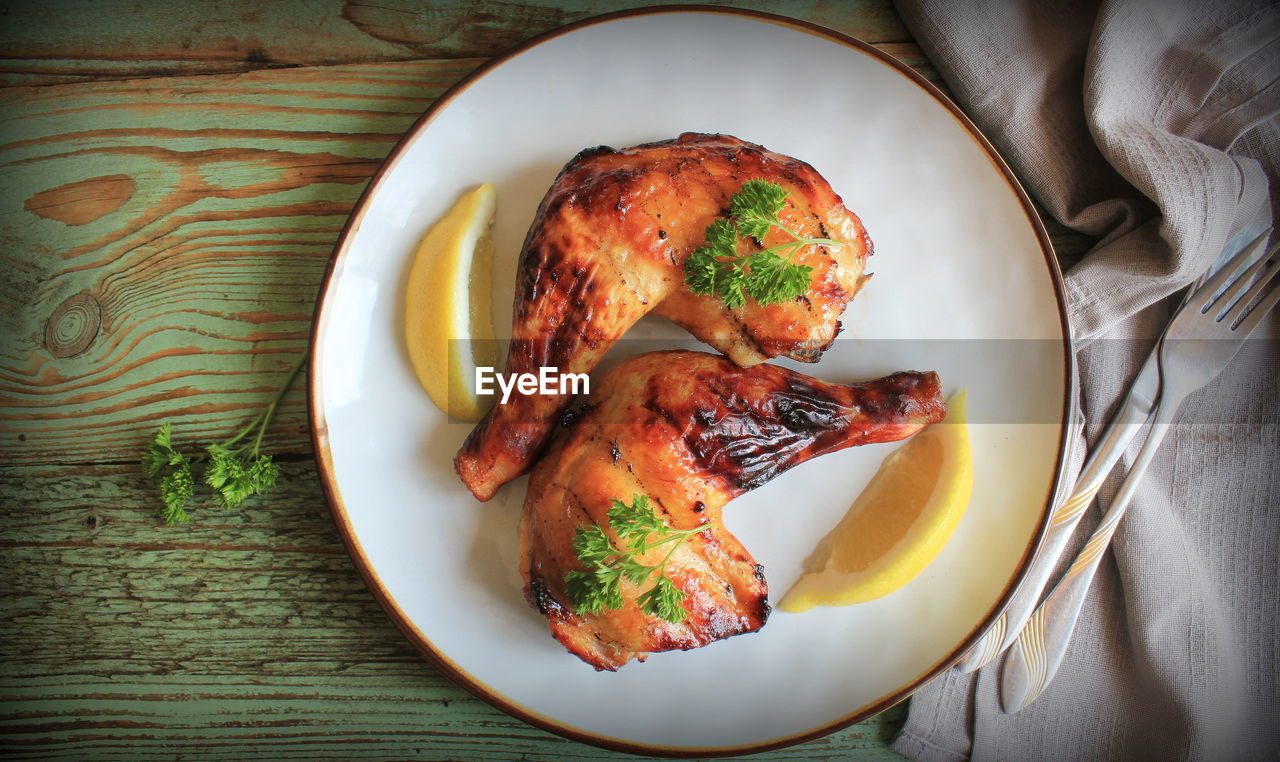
x: 964, y: 283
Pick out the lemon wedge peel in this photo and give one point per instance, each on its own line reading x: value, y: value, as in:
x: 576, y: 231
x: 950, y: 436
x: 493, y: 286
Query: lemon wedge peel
x: 873, y: 551
x: 448, y: 323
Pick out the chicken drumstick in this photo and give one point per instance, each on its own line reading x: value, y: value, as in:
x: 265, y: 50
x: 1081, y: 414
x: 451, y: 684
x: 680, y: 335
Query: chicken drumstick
x: 690, y: 431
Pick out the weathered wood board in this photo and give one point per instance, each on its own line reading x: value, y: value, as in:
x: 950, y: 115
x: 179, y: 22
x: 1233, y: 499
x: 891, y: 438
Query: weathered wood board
x: 244, y: 633
x: 69, y: 40
x: 166, y: 239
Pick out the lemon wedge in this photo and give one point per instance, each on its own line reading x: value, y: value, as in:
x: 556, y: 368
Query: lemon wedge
x: 447, y: 321
x: 898, y: 524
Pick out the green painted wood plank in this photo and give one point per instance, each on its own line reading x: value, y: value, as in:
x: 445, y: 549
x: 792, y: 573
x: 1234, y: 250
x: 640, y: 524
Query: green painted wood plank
x: 67, y: 40
x: 201, y: 271
x: 243, y: 633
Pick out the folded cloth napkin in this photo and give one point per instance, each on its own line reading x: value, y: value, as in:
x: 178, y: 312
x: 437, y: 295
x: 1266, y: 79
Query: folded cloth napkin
x: 1152, y: 126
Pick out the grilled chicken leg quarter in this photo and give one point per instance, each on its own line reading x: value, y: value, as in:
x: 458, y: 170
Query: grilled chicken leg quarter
x: 691, y: 431
x: 608, y: 246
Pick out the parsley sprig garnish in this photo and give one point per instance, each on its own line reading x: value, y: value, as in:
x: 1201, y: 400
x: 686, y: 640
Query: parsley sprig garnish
x: 234, y: 473
x: 720, y: 267
x: 639, y: 530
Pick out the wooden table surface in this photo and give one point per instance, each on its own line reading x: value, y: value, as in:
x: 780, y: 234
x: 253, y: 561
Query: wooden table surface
x: 175, y: 178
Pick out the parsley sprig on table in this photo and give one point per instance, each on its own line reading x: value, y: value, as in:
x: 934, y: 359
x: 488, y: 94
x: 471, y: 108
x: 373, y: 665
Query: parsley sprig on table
x: 640, y: 530
x: 768, y: 276
x: 718, y: 268
x: 234, y: 473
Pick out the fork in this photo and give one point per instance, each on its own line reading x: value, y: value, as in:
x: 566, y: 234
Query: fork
x: 1198, y: 343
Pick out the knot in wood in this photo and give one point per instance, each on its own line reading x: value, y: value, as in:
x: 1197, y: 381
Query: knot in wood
x: 73, y: 326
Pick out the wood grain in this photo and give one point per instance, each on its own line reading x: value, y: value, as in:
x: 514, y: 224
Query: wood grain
x: 82, y: 201
x: 72, y: 40
x: 205, y: 272
x: 242, y: 633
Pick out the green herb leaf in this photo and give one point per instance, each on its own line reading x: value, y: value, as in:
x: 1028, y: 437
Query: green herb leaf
x: 218, y: 472
x: 716, y: 268
x: 263, y: 474
x: 594, y: 591
x: 171, y: 472
x: 640, y: 529
x: 234, y: 473
x: 176, y: 487
x: 702, y: 271
x: 732, y: 292
x: 592, y: 545
x: 756, y: 206
x: 609, y: 580
x: 163, y: 438
x: 634, y: 523
x: 634, y: 571
x: 663, y: 600
x: 772, y: 279
x: 156, y: 457
x: 722, y: 237
x: 234, y: 488
x: 584, y: 592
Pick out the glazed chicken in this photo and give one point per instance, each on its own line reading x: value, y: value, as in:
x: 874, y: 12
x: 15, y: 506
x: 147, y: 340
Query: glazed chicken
x: 608, y: 246
x: 691, y: 431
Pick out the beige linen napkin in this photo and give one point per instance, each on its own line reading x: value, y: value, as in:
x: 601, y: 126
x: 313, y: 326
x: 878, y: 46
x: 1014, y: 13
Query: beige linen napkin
x: 1152, y: 126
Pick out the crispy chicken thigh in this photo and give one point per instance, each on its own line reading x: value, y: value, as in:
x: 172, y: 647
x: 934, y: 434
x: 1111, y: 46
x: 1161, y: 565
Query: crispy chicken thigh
x: 608, y: 245
x: 691, y: 431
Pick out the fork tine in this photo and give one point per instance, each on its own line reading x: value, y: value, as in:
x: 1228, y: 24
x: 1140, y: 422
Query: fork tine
x: 1205, y: 296
x: 1230, y: 301
x: 1264, y: 306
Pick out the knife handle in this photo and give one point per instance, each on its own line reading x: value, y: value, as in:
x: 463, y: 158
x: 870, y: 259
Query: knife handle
x: 1062, y: 523
x: 1041, y: 645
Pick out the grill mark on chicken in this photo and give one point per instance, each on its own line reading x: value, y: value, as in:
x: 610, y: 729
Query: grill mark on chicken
x: 607, y: 246
x: 671, y: 425
x: 542, y: 600
x: 750, y: 341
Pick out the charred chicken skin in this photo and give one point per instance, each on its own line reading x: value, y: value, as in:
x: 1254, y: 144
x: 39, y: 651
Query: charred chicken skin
x: 691, y: 431
x: 608, y: 246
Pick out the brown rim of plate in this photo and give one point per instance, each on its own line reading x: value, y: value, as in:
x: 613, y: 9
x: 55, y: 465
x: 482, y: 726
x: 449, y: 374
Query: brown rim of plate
x: 324, y: 462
